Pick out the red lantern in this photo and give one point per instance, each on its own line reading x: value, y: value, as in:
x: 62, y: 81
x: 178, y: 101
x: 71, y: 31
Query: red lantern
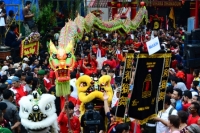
x: 119, y: 5
x: 142, y: 3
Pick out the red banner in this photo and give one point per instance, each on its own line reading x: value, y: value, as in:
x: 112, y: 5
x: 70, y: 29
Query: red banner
x: 29, y: 49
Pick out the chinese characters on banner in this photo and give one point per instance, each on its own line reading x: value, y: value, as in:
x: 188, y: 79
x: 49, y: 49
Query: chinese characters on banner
x: 164, y: 81
x: 29, y: 49
x: 150, y: 69
x: 125, y: 84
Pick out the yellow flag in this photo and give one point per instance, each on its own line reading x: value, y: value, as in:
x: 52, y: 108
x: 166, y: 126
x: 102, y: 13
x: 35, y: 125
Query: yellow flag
x: 172, y: 16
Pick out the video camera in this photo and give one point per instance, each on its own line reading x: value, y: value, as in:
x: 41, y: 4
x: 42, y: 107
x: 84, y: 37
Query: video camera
x: 92, y: 118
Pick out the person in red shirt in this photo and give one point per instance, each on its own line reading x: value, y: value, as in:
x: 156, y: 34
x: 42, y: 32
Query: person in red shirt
x: 194, y: 116
x: 174, y: 62
x: 18, y: 89
x: 93, y: 61
x: 137, y: 44
x: 97, y: 50
x: 74, y: 125
x: 52, y: 77
x: 187, y: 99
x: 47, y: 82
x: 111, y: 62
x: 180, y: 74
x: 88, y: 70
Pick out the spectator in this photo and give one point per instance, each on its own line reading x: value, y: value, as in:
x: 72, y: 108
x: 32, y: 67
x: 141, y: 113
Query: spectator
x: 162, y: 118
x: 177, y: 84
x: 193, y: 128
x: 183, y: 121
x: 11, y: 110
x: 13, y: 41
x: 2, y: 23
x: 180, y: 73
x: 177, y: 96
x: 194, y: 89
x: 42, y: 87
x: 63, y: 120
x: 195, y: 98
x: 187, y: 99
x: 194, y: 116
x: 18, y: 89
x: 196, y: 75
x: 29, y: 24
x: 174, y: 123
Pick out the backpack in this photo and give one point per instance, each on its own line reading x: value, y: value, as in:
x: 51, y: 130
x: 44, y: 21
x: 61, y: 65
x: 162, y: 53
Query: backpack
x: 171, y: 110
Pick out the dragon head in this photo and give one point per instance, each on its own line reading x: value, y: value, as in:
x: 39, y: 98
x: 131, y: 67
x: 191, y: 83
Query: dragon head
x: 92, y: 89
x: 62, y: 61
x: 37, y: 112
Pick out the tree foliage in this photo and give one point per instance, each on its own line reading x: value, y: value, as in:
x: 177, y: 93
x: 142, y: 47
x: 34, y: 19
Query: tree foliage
x: 46, y: 18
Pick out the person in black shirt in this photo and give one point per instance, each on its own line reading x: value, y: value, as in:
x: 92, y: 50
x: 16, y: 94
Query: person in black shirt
x: 57, y: 101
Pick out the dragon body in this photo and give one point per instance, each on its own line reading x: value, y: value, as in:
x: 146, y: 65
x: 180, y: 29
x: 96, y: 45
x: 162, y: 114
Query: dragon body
x: 62, y: 57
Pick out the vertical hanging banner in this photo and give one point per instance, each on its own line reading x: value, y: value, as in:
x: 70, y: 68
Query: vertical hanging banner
x: 125, y: 84
x: 163, y: 85
x: 148, y: 77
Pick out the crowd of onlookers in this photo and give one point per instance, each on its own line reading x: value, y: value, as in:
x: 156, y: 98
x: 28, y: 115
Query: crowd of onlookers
x: 100, y: 54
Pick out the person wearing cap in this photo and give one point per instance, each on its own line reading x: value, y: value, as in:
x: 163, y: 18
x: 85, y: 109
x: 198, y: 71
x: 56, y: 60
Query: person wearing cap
x: 11, y: 113
x: 193, y: 128
x: 8, y: 83
x: 18, y: 89
x: 25, y: 63
x: 41, y: 74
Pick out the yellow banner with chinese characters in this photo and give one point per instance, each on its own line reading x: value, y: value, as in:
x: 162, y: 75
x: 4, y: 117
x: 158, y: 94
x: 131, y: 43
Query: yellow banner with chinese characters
x: 29, y: 49
x: 149, y: 74
x: 123, y: 100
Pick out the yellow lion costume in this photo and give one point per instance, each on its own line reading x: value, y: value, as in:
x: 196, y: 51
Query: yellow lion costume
x: 92, y: 89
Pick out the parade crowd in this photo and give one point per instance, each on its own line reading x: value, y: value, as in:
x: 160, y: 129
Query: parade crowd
x: 99, y: 54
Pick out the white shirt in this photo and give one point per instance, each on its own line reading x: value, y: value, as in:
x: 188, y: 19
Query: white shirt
x: 181, y: 86
x: 161, y: 128
x: 114, y: 99
x: 2, y: 20
x: 75, y: 92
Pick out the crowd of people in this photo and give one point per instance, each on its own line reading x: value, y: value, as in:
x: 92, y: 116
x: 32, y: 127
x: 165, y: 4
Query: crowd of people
x: 99, y: 54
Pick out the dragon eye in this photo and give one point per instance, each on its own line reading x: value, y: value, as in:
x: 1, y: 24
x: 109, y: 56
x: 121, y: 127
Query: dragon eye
x: 69, y: 55
x: 48, y: 107
x: 54, y: 56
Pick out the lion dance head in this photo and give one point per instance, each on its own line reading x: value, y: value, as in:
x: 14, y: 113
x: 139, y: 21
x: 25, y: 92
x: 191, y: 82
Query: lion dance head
x: 91, y: 89
x: 38, y: 113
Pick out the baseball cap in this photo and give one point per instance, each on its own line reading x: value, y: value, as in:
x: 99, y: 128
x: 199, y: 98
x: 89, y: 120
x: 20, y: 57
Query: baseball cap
x: 193, y: 128
x: 3, y: 106
x: 15, y: 79
x: 9, y: 82
x: 25, y: 59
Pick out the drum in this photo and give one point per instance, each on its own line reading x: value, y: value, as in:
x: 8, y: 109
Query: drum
x: 4, y: 52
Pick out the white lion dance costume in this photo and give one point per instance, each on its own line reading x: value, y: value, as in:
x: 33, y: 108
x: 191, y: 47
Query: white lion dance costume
x: 37, y: 113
